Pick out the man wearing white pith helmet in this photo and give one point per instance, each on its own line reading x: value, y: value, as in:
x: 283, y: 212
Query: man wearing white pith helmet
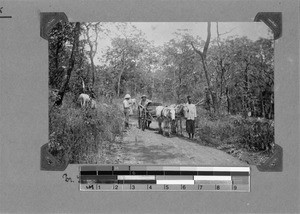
x: 126, y: 106
x: 143, y: 104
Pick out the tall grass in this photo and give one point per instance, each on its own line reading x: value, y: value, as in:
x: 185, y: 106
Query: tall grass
x: 77, y: 134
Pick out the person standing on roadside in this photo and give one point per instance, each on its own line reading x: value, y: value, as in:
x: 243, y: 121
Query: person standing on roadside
x: 126, y: 106
x: 191, y: 114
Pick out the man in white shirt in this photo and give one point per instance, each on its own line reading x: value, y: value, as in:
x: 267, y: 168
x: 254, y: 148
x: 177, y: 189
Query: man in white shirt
x: 126, y: 106
x: 191, y: 113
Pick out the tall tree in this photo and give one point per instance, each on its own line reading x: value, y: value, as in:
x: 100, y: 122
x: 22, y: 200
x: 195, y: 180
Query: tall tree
x: 124, y: 55
x: 203, y: 55
x: 60, y: 35
x: 65, y: 82
x: 91, y: 35
x: 180, y: 63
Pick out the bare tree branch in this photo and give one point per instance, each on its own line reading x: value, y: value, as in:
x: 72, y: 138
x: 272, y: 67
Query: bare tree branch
x: 196, y: 50
x: 203, y: 54
x: 221, y: 34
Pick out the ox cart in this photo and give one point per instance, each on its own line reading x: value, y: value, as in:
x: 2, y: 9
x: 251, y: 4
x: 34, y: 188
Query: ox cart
x: 147, y: 115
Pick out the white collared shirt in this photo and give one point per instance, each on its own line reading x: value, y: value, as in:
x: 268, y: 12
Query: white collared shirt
x: 126, y: 103
x: 192, y: 112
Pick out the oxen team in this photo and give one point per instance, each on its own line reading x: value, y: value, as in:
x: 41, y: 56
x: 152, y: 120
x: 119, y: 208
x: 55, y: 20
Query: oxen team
x: 170, y: 118
x: 173, y: 115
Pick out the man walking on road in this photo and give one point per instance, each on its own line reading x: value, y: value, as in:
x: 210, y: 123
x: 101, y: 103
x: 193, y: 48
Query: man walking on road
x: 190, y: 117
x: 126, y: 105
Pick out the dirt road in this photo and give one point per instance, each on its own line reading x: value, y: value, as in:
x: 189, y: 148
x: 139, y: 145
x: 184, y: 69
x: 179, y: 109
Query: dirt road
x: 148, y: 147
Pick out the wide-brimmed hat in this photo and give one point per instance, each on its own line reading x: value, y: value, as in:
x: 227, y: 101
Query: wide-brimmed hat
x: 143, y: 96
x: 127, y: 96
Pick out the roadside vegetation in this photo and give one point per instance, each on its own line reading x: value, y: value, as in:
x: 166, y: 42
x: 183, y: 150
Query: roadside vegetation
x: 250, y: 139
x: 84, y: 135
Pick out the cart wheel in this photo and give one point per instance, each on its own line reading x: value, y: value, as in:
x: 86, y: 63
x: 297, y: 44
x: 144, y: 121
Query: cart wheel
x: 143, y: 125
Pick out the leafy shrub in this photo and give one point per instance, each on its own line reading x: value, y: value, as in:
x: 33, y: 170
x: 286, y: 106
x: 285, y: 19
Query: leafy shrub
x: 256, y: 134
x: 251, y: 133
x: 77, y: 134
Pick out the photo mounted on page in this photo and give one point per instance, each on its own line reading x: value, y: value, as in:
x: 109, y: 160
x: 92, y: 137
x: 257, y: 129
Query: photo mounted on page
x: 165, y: 93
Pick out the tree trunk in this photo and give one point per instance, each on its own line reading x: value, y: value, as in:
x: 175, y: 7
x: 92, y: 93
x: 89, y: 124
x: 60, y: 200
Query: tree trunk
x: 87, y: 74
x: 93, y: 46
x: 174, y: 83
x: 246, y: 90
x: 58, y: 47
x: 221, y: 85
x: 212, y: 94
x: 119, y: 81
x: 228, y: 101
x: 66, y: 80
x: 163, y: 90
x: 93, y: 71
x: 203, y: 60
x: 219, y: 100
x: 120, y: 75
x: 153, y: 87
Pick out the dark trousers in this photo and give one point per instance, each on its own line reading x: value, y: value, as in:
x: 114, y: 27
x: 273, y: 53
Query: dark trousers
x: 190, y: 126
x: 126, y: 114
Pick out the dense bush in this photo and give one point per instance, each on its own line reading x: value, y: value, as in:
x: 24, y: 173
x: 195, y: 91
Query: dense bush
x: 251, y: 133
x: 77, y: 134
x: 256, y: 134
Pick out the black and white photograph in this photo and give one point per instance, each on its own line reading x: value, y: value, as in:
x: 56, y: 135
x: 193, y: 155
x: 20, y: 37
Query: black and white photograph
x: 161, y: 93
x: 149, y: 106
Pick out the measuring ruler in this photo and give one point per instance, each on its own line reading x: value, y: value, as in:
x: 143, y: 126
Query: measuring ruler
x: 163, y: 178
